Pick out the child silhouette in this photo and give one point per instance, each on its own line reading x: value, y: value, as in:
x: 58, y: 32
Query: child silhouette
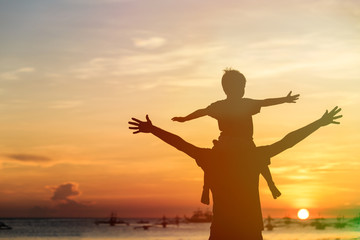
x: 234, y: 116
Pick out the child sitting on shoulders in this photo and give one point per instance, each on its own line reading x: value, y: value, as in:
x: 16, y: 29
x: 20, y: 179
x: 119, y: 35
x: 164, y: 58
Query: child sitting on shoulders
x: 234, y: 116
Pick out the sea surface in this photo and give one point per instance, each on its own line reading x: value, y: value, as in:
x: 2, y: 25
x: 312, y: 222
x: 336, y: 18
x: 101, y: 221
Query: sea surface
x: 86, y: 229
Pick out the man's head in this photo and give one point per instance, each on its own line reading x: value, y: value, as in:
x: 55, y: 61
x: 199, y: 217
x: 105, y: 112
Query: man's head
x: 233, y: 83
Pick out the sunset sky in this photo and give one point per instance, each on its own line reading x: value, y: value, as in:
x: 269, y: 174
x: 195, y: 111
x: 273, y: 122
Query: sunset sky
x: 73, y: 73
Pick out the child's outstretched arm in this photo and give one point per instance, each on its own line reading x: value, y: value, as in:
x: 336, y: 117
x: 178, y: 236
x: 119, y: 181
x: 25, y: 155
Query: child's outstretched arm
x: 274, y: 101
x: 198, y: 113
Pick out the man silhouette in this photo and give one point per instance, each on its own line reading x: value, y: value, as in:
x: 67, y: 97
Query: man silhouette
x: 234, y: 184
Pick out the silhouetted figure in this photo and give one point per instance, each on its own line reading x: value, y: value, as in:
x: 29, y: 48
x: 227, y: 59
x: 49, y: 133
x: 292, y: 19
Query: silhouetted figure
x: 269, y: 226
x: 164, y: 222
x: 234, y: 183
x: 234, y: 116
x: 177, y: 220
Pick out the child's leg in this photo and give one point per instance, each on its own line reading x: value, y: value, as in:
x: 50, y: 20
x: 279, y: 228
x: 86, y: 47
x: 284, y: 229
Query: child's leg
x: 205, y: 199
x: 265, y: 171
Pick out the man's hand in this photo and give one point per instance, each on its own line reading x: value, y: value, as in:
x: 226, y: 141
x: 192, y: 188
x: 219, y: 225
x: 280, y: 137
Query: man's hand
x: 330, y: 117
x: 140, y: 126
x: 291, y: 99
x: 178, y: 119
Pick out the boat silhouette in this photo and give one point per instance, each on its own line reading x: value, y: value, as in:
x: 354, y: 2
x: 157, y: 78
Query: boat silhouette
x: 200, y: 217
x: 318, y: 223
x: 3, y: 226
x: 340, y: 223
x: 287, y: 220
x: 112, y: 221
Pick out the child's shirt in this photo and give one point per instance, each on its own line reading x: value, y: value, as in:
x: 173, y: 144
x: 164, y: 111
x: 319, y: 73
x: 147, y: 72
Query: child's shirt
x: 235, y: 117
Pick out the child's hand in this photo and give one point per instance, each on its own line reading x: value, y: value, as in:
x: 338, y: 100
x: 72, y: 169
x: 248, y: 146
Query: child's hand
x: 291, y: 99
x: 178, y: 119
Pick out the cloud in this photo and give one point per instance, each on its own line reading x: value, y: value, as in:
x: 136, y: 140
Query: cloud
x: 28, y: 158
x: 63, y: 203
x: 66, y: 104
x: 279, y: 43
x: 344, y: 98
x: 14, y: 75
x: 65, y: 191
x: 25, y: 70
x: 145, y: 63
x: 149, y: 43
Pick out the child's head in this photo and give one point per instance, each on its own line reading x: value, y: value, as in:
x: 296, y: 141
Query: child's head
x: 233, y: 83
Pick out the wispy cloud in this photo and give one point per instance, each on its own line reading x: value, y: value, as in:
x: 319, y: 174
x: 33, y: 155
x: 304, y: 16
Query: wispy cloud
x: 14, y: 75
x: 29, y: 158
x: 344, y: 98
x: 146, y: 64
x: 149, y: 43
x: 280, y: 43
x: 66, y: 104
x: 282, y: 170
x: 301, y: 177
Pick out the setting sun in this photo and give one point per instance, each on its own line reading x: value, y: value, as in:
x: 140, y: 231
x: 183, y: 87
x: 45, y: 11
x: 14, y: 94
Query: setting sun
x: 303, y: 214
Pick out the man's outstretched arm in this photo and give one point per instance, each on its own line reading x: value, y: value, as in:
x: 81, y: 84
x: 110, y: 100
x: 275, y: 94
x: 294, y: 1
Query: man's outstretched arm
x: 298, y: 135
x: 172, y: 139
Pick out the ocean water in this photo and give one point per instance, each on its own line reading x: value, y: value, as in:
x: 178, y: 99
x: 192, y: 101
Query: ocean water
x: 86, y: 229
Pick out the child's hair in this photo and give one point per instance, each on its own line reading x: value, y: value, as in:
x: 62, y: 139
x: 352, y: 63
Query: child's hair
x: 231, y: 79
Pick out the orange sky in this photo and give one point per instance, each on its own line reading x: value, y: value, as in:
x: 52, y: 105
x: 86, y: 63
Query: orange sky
x: 73, y: 73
